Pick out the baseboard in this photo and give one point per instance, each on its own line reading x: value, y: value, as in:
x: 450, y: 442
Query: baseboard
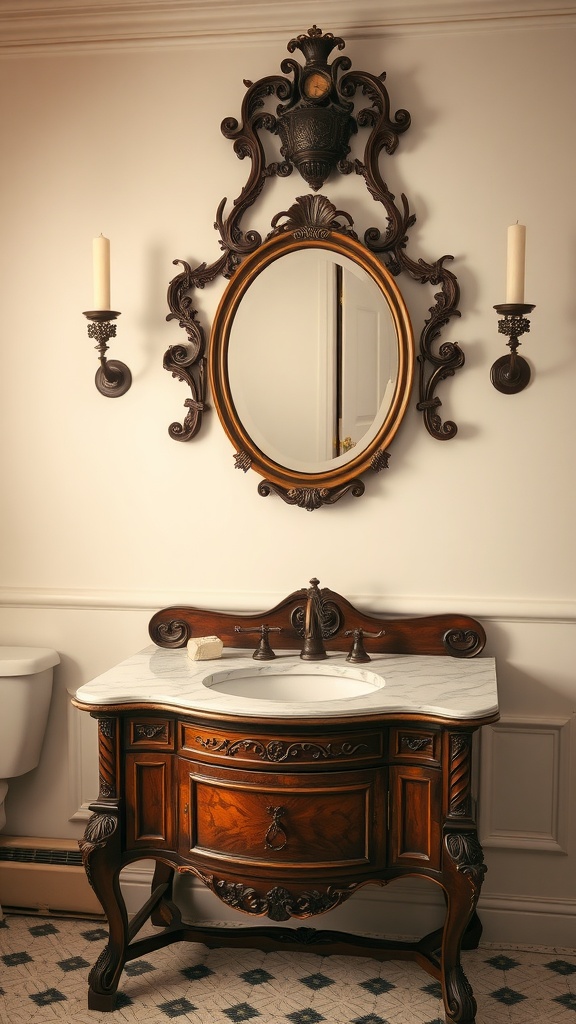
x: 529, y: 921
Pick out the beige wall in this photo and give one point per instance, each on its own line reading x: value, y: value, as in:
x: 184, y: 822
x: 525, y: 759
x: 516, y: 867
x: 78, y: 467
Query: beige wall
x: 105, y: 518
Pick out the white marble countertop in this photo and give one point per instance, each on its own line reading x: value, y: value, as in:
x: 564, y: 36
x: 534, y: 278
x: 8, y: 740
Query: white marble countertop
x: 455, y: 688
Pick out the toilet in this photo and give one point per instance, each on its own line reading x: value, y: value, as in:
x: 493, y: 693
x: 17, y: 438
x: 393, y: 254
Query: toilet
x: 25, y: 692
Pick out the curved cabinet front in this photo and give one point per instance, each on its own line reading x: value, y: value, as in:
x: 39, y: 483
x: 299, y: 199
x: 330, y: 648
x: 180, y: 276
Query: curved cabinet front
x: 284, y: 818
x: 321, y: 822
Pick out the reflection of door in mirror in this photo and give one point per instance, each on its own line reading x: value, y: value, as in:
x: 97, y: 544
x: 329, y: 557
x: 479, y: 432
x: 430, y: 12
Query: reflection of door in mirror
x: 368, y: 357
x: 305, y: 370
x: 282, y: 359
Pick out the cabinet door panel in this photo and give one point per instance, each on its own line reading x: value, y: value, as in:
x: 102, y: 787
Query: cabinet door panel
x: 310, y: 820
x: 149, y: 815
x: 415, y: 816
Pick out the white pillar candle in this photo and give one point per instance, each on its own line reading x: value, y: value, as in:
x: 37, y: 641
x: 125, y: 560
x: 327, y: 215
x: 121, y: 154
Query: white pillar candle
x: 515, y: 266
x: 101, y: 270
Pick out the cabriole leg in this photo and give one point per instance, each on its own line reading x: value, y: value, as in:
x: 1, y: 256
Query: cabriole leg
x: 464, y: 872
x: 101, y: 855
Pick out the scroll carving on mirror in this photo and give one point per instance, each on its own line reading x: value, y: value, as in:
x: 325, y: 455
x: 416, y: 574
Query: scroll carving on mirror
x: 311, y: 356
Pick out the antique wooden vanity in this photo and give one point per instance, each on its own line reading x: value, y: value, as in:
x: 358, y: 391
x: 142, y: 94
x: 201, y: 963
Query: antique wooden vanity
x: 286, y: 807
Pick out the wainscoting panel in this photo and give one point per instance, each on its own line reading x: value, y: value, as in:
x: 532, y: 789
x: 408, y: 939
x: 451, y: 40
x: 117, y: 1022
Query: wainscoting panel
x: 82, y: 763
x: 524, y: 784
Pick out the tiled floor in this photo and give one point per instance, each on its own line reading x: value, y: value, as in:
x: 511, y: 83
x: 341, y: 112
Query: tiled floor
x: 44, y: 964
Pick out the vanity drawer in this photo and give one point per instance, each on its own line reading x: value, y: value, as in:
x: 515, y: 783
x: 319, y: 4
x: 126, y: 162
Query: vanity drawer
x: 148, y: 732
x: 314, y: 820
x: 223, y: 746
x: 411, y: 744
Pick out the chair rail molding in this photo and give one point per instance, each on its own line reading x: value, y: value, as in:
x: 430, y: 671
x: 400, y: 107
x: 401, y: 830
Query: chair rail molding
x: 28, y: 25
x: 501, y: 608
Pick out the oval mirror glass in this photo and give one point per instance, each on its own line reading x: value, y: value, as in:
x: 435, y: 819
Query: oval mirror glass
x: 311, y: 359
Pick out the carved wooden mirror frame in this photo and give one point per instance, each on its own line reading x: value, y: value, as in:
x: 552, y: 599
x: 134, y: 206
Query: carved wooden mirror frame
x: 315, y: 121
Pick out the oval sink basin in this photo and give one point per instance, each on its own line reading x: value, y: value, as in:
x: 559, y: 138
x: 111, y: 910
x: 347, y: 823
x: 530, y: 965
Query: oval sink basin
x: 298, y: 683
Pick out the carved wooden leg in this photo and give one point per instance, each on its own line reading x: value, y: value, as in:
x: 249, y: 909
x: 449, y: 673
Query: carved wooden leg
x: 101, y: 855
x: 464, y: 872
x: 474, y: 929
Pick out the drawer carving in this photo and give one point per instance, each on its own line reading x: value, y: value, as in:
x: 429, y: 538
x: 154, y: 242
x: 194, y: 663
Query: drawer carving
x: 275, y: 750
x: 150, y: 733
x: 294, y: 750
x: 415, y: 745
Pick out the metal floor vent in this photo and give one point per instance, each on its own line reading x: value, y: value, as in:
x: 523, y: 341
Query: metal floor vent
x: 29, y: 855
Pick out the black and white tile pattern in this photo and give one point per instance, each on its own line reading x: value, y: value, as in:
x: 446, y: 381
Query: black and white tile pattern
x: 44, y: 965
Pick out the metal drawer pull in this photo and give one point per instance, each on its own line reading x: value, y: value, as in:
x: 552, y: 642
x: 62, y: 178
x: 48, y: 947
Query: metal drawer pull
x: 275, y: 831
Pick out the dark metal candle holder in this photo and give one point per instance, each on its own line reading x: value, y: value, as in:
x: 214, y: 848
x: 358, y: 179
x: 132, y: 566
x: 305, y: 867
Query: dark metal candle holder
x: 113, y: 378
x: 510, y: 374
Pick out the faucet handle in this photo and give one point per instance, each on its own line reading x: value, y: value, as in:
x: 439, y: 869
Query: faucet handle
x: 263, y: 652
x: 357, y: 651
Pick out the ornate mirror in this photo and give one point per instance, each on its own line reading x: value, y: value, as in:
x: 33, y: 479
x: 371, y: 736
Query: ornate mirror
x: 311, y: 352
x: 311, y: 361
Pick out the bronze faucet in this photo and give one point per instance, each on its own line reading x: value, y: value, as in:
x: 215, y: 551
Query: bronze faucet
x: 313, y: 649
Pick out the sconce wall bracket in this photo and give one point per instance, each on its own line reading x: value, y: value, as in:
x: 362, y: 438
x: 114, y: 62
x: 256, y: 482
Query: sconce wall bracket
x: 113, y: 378
x: 511, y: 374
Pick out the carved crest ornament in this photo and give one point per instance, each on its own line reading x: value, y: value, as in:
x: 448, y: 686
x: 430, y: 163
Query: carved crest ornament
x: 316, y: 109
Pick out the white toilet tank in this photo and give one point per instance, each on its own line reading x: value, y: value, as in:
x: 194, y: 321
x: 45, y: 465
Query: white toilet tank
x: 25, y: 692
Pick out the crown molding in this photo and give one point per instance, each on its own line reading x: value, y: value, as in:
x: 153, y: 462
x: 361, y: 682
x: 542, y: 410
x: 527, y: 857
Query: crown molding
x: 27, y: 26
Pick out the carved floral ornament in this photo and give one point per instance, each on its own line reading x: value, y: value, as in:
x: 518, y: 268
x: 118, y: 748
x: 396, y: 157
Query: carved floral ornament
x: 312, y: 110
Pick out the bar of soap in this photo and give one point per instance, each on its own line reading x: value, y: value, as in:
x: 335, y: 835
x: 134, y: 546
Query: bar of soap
x: 202, y: 648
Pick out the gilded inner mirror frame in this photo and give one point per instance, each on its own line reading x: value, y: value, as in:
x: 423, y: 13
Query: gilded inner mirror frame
x: 310, y: 489
x: 313, y: 357
x: 314, y: 121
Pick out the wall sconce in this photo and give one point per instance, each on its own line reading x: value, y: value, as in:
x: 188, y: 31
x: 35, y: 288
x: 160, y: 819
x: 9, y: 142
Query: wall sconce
x: 113, y: 378
x: 510, y: 374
